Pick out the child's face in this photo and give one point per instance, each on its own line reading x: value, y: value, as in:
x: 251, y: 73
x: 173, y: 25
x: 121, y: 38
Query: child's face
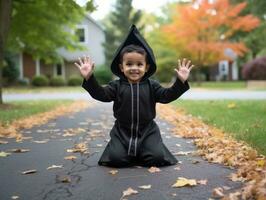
x: 134, y: 66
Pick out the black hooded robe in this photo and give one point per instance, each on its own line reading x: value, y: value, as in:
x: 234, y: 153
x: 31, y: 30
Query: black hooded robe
x: 135, y: 137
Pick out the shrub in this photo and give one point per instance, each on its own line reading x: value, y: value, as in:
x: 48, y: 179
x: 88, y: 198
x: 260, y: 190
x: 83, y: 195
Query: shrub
x: 255, y: 69
x: 10, y: 70
x: 40, y: 81
x: 103, y: 74
x: 75, y: 81
x: 57, y: 81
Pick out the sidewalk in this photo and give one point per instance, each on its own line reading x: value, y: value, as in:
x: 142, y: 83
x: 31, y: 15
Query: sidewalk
x: 82, y: 178
x: 193, y: 94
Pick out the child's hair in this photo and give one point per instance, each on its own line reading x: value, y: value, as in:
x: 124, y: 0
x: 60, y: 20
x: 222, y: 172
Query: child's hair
x: 132, y: 48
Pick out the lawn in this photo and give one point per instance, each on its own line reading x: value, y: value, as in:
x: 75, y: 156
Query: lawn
x: 16, y: 110
x: 31, y: 89
x: 244, y: 120
x: 225, y: 85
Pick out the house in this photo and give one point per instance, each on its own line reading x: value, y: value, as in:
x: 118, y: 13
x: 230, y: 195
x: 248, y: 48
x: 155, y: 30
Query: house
x: 91, y: 35
x: 225, y: 70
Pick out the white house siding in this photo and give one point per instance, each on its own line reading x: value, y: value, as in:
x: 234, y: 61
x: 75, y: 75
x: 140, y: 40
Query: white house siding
x: 93, y: 43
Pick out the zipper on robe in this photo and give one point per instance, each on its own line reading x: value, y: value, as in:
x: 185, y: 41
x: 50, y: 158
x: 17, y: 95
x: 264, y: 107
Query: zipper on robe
x: 134, y: 134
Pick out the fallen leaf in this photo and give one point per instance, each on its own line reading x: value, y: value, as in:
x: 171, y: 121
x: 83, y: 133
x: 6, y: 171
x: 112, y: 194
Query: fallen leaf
x: 4, y: 154
x: 195, y: 161
x: 202, y: 182
x: 64, y: 179
x: 154, y: 169
x: 19, y: 150
x: 181, y: 182
x: 31, y: 171
x: 145, y: 187
x: 54, y: 167
x: 183, y: 153
x: 15, y: 197
x: 261, y: 163
x: 70, y: 158
x: 231, y: 105
x: 113, y: 172
x: 129, y: 192
x: 40, y: 141
x: 218, y: 192
x: 177, y: 168
x: 3, y: 142
x: 99, y: 145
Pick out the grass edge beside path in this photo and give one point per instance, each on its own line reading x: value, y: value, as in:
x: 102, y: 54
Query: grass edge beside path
x: 244, y: 120
x: 11, y: 129
x: 216, y: 147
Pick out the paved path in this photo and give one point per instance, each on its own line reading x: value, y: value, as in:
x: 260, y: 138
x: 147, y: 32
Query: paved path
x: 194, y: 94
x: 90, y: 181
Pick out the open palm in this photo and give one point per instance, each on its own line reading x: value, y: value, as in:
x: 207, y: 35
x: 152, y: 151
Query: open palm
x: 184, y: 69
x: 85, y: 67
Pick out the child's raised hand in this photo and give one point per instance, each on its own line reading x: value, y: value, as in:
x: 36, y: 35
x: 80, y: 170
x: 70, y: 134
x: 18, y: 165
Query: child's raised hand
x: 183, y: 69
x: 85, y: 67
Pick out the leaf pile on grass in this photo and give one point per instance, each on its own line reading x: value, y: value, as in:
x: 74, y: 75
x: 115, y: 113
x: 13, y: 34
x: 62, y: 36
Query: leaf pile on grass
x: 12, y: 130
x: 217, y: 147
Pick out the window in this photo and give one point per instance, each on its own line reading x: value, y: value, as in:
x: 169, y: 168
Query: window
x: 80, y: 32
x: 58, y: 69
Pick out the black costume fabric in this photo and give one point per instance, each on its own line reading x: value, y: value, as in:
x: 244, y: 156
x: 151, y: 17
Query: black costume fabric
x: 135, y: 136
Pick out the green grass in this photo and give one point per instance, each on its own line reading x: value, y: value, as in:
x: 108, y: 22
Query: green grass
x: 17, y: 110
x: 30, y: 89
x: 228, y: 85
x: 246, y: 121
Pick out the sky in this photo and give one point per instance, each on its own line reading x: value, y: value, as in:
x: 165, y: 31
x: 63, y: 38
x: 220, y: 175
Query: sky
x: 104, y: 6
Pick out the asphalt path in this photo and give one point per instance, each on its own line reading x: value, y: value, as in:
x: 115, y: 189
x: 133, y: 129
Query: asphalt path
x: 83, y: 179
x: 193, y: 94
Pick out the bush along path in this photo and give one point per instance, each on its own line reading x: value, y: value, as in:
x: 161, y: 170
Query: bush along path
x: 58, y: 160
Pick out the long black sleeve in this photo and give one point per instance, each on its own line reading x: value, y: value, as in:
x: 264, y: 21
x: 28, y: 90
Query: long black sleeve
x: 104, y: 94
x: 166, y: 95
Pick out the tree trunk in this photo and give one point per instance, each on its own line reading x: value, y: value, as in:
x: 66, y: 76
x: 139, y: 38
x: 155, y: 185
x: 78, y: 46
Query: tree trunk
x: 5, y: 16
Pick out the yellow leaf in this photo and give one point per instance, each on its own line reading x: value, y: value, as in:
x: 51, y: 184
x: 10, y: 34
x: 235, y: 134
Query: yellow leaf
x: 4, y: 154
x: 231, y: 105
x: 181, y: 182
x: 261, y: 163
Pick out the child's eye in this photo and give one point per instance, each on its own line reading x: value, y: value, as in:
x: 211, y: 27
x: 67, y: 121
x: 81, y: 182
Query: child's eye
x: 140, y: 64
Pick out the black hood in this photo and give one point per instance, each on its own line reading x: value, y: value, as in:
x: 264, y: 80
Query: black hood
x: 134, y: 37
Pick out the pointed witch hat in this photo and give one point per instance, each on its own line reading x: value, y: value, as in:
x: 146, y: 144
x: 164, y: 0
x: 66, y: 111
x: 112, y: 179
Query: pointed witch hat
x: 134, y: 37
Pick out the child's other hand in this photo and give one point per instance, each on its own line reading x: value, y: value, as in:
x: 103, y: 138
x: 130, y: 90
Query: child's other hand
x: 183, y: 69
x: 85, y: 67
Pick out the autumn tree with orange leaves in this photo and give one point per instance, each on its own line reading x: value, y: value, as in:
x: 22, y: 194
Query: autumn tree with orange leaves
x: 202, y: 31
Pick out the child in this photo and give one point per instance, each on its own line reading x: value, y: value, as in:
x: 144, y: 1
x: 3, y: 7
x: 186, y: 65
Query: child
x: 135, y: 137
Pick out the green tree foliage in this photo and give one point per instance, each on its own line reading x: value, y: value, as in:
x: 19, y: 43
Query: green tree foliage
x: 38, y: 27
x: 255, y: 40
x: 116, y: 26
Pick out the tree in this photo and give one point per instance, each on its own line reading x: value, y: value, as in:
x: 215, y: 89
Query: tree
x: 254, y: 39
x: 5, y: 15
x: 203, y: 31
x: 117, y: 24
x: 38, y: 27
